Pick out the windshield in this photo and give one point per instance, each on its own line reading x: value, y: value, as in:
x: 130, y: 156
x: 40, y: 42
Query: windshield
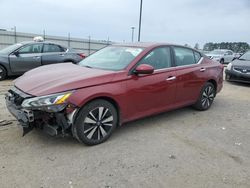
x: 111, y: 58
x: 245, y: 56
x: 10, y: 49
x: 217, y: 52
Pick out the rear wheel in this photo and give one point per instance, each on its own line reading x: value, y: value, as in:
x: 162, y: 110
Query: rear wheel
x: 95, y: 122
x: 206, y: 98
x: 3, y: 73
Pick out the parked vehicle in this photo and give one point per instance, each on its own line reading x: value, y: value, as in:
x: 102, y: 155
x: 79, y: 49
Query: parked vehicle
x: 222, y: 56
x: 239, y: 69
x: 117, y: 84
x: 19, y: 58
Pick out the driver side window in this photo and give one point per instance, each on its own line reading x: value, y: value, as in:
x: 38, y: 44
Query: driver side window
x: 158, y: 58
x: 30, y: 49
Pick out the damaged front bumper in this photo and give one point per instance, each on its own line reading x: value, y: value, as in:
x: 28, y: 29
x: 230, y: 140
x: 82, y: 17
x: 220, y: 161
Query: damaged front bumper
x: 54, y: 124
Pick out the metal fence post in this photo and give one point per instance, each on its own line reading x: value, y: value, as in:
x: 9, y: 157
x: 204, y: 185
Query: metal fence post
x: 89, y: 45
x: 68, y: 39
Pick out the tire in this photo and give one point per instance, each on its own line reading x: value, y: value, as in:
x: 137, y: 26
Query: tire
x: 206, y: 97
x: 95, y: 122
x: 3, y: 73
x: 222, y: 61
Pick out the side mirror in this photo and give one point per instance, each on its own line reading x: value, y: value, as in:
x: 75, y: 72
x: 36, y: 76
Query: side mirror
x: 144, y: 69
x: 16, y: 53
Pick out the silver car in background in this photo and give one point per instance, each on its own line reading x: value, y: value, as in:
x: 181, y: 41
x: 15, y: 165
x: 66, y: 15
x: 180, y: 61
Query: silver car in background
x: 222, y: 56
x: 21, y: 57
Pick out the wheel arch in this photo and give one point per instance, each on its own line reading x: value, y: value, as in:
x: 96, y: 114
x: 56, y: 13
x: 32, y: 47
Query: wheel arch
x: 212, y: 81
x: 109, y: 99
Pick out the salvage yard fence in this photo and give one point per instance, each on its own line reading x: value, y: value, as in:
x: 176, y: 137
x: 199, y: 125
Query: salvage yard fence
x: 87, y: 46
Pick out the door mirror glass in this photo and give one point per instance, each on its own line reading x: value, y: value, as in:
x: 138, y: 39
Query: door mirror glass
x: 16, y: 53
x: 144, y: 69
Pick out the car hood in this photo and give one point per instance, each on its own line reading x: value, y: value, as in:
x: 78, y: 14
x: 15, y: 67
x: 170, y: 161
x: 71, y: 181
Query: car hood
x: 214, y: 55
x: 57, y: 78
x: 241, y: 63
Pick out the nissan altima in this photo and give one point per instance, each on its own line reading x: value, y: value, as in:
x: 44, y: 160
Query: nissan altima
x: 117, y: 84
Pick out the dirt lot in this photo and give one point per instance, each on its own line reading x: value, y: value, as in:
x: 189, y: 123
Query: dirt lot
x: 182, y: 148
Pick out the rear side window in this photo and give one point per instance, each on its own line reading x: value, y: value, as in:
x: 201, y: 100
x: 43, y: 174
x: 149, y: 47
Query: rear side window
x: 184, y: 56
x: 52, y: 48
x: 197, y: 56
x: 158, y: 58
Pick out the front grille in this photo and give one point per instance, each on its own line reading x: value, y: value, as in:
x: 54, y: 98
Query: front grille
x: 17, y: 96
x: 242, y: 70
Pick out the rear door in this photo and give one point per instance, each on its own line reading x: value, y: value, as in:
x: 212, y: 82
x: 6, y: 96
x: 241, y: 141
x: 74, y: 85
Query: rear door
x: 26, y: 58
x: 53, y: 53
x: 155, y: 92
x: 190, y: 74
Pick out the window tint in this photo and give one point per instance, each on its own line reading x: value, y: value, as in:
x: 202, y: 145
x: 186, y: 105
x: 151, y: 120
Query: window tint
x: 197, y: 56
x: 52, y: 48
x: 184, y: 56
x: 34, y: 48
x: 159, y: 58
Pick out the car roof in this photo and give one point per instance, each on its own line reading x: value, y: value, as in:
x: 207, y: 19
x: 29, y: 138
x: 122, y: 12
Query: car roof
x: 43, y: 42
x: 147, y: 44
x: 223, y: 50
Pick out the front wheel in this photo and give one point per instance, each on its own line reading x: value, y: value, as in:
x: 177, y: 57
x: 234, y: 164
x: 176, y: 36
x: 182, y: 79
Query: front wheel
x: 3, y: 73
x: 206, y: 98
x: 95, y: 122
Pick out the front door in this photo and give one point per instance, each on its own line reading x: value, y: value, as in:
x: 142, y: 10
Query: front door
x: 26, y: 58
x: 155, y: 92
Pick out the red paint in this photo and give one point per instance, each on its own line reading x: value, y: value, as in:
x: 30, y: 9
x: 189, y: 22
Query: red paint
x: 136, y: 95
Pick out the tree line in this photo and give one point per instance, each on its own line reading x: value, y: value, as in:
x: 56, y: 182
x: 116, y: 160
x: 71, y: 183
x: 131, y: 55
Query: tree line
x: 238, y: 47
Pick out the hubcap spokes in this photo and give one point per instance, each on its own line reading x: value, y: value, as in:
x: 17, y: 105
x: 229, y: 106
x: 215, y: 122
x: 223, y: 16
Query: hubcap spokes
x: 98, y: 123
x: 207, y: 97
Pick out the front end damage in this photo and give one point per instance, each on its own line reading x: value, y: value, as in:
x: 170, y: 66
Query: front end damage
x: 53, y: 121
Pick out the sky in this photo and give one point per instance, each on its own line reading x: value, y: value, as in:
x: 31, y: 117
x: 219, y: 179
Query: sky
x: 173, y: 21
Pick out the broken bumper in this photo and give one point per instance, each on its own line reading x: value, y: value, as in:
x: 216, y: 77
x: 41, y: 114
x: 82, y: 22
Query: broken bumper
x: 54, y: 124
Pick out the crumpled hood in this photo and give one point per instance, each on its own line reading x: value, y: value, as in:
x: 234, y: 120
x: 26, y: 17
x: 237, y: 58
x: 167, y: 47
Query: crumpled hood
x: 241, y: 63
x: 57, y: 78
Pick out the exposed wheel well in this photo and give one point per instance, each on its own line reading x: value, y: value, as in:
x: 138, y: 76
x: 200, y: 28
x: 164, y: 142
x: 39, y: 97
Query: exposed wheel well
x: 214, y: 83
x: 113, y: 102
x: 4, y: 69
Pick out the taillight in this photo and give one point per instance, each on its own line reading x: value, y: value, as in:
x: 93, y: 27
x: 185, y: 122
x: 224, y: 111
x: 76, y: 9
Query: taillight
x: 82, y: 55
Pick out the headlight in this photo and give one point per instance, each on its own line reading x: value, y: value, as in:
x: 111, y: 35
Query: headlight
x: 51, y: 103
x: 229, y: 66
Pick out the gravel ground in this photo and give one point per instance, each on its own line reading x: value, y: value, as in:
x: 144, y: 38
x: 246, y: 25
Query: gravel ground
x: 182, y: 148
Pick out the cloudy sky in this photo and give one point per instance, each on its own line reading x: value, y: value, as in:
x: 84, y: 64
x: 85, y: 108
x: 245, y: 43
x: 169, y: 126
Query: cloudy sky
x: 175, y: 21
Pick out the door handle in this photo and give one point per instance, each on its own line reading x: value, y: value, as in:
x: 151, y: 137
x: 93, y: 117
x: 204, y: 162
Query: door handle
x: 36, y: 57
x: 202, y: 69
x: 62, y: 55
x: 170, y: 78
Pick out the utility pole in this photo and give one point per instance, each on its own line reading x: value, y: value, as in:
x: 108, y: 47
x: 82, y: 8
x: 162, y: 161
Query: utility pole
x: 139, y: 34
x: 133, y: 28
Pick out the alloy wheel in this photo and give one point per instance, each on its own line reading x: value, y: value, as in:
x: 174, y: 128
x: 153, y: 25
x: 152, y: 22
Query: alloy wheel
x: 98, y: 123
x: 207, y: 97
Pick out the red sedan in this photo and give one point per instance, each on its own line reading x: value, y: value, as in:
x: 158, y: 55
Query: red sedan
x: 117, y: 84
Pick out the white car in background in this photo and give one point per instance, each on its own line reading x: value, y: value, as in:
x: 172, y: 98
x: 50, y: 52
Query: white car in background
x: 222, y: 56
